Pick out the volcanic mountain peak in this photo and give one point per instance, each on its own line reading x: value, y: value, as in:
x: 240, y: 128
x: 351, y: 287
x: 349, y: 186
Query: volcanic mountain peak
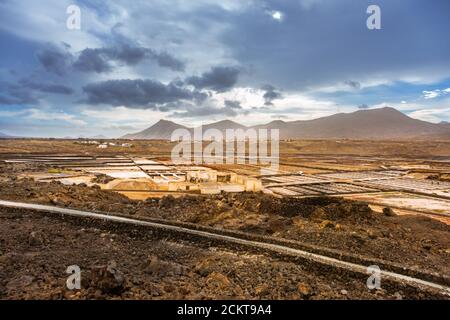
x: 277, y: 122
x: 164, y: 122
x: 224, y: 124
x: 382, y: 123
x: 384, y: 111
x: 161, y: 130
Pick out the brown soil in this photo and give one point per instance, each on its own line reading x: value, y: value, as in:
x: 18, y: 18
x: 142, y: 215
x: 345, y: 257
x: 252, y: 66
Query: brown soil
x: 413, y: 241
x: 407, y: 148
x: 133, y: 184
x: 35, y: 249
x: 122, y: 262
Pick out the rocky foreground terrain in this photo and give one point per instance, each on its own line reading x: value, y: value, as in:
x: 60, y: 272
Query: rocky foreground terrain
x: 124, y: 263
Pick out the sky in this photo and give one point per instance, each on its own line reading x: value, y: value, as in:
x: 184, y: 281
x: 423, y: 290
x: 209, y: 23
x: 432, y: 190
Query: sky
x: 132, y: 63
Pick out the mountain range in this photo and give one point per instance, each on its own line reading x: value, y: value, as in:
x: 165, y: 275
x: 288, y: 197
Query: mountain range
x: 4, y: 136
x: 382, y: 123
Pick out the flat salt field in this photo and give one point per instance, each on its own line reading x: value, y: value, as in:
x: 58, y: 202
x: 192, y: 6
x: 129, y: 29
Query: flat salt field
x: 145, y: 161
x: 76, y: 180
x: 302, y: 191
x: 155, y: 167
x: 370, y: 175
x: 407, y: 201
x: 166, y: 179
x: 412, y: 184
x: 25, y: 160
x: 118, y: 164
x: 65, y: 158
x: 109, y: 168
x: 166, y: 173
x: 126, y: 174
x: 294, y: 179
x: 321, y: 189
x: 284, y: 191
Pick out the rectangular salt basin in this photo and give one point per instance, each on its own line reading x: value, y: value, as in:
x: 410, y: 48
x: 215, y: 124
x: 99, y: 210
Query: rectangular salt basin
x: 165, y: 180
x: 115, y: 168
x: 155, y: 168
x: 145, y: 161
x: 127, y: 174
x: 410, y: 202
x: 122, y: 174
x: 66, y: 158
x: 25, y: 160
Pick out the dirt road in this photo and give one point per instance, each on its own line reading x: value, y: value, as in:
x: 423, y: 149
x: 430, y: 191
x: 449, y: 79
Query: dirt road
x: 37, y: 248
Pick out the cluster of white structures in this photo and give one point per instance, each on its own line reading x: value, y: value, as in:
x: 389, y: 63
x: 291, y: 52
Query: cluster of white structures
x: 143, y: 174
x: 112, y: 144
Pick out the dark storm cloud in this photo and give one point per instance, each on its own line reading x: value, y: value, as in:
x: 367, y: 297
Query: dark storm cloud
x: 54, y: 59
x: 99, y: 60
x: 232, y: 104
x: 316, y: 46
x: 271, y: 93
x: 218, y: 79
x: 13, y: 94
x: 353, y: 84
x: 136, y: 93
x: 164, y: 59
x: 59, y: 60
x: 16, y: 100
x: 46, y: 87
x: 92, y: 60
x: 321, y: 44
x: 130, y: 55
x: 204, y: 111
x: 231, y: 108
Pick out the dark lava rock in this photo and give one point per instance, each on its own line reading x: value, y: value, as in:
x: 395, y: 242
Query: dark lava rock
x: 388, y: 212
x: 19, y: 283
x: 108, y: 279
x: 36, y: 238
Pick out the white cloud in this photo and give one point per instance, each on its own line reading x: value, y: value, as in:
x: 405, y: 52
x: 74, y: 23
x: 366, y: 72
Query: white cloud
x: 426, y: 112
x: 277, y: 15
x: 37, y: 114
x: 248, y: 97
x: 114, y: 116
x: 435, y: 93
x: 343, y: 86
x: 293, y: 106
x: 46, y: 22
x: 7, y: 114
x: 430, y: 115
x: 431, y: 94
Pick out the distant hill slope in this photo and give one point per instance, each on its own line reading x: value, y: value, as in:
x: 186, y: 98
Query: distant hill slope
x: 383, y: 123
x: 223, y: 125
x: 4, y: 136
x: 162, y: 130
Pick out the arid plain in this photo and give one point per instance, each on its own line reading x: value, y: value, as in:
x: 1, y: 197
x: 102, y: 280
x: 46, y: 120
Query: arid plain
x: 307, y: 231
